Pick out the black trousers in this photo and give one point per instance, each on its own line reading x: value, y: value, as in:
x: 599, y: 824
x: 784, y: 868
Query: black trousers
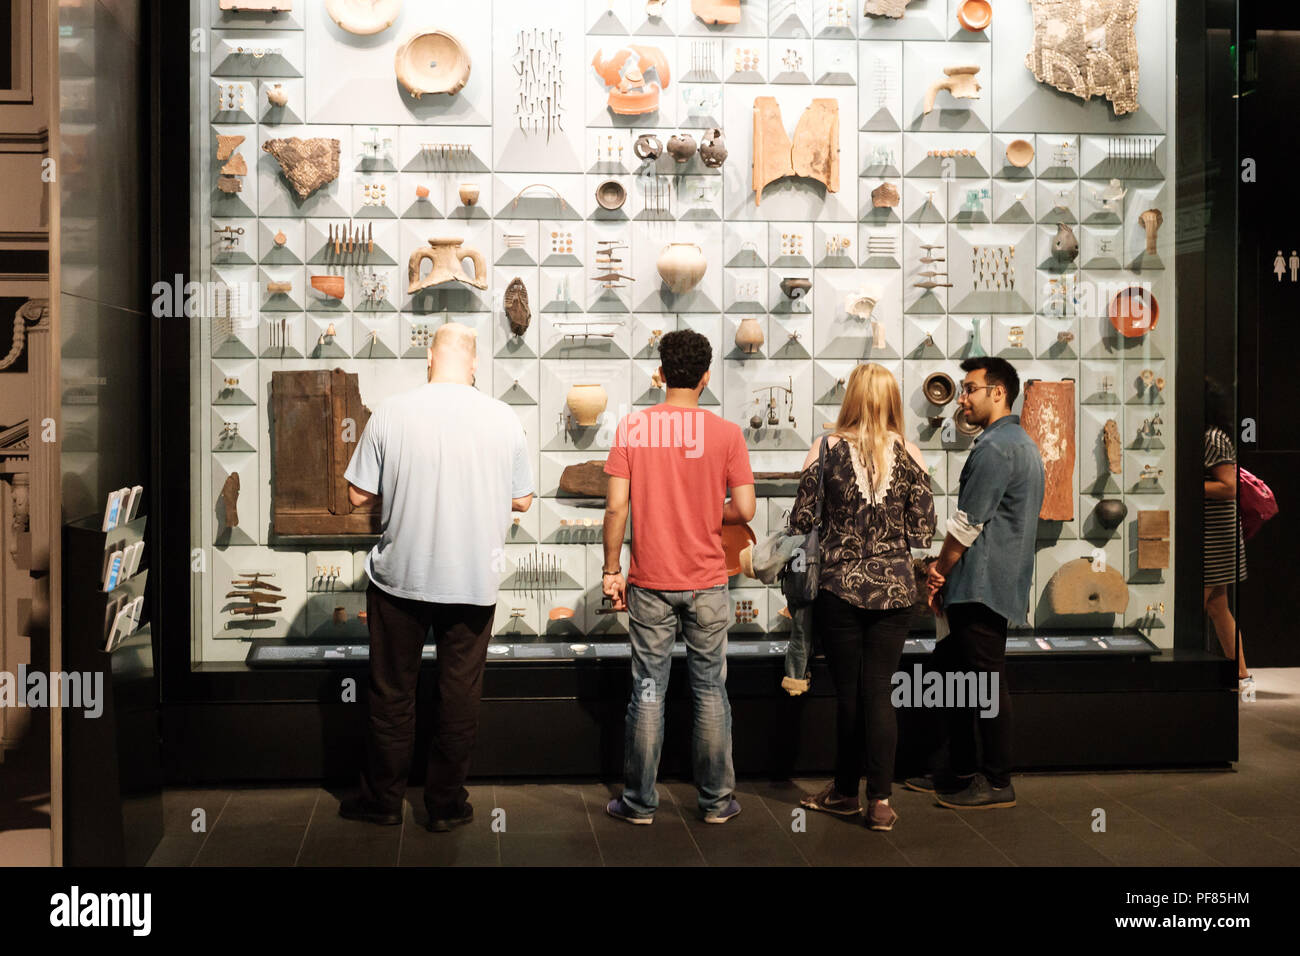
x: 862, y: 649
x: 976, y: 643
x: 398, y: 628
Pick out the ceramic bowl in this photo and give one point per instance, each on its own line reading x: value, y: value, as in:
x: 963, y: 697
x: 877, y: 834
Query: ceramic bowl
x: 1134, y: 312
x: 610, y: 194
x: 1020, y: 153
x: 975, y: 15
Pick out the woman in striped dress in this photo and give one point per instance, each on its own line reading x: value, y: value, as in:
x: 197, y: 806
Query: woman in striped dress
x: 1225, y: 547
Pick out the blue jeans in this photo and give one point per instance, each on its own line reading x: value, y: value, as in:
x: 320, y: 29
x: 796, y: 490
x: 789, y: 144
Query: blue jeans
x: 652, y: 624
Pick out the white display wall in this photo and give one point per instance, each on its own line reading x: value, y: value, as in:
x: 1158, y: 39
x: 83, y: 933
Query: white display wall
x: 537, y: 198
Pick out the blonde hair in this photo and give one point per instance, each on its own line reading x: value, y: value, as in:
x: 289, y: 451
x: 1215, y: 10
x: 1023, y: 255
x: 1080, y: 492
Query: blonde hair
x: 872, y: 409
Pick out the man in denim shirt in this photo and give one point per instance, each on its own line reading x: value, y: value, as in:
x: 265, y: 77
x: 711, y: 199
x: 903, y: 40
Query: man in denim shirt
x: 982, y: 578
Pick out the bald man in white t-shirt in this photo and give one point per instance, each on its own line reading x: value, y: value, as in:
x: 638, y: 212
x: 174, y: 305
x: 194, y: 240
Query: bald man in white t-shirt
x: 449, y: 465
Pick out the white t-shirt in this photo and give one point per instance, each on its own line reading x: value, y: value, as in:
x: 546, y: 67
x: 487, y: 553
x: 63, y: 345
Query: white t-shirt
x: 446, y: 460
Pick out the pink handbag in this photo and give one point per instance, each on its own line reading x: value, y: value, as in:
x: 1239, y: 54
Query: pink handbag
x: 1256, y: 502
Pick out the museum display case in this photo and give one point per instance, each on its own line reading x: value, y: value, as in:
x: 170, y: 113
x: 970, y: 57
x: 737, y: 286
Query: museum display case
x: 810, y: 184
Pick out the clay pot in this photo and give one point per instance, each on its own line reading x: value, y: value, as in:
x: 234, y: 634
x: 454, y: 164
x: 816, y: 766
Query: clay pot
x: 648, y: 146
x: 1020, y: 153
x: 939, y: 388
x: 447, y: 257
x: 1109, y: 512
x: 433, y: 62
x: 468, y: 193
x: 560, y: 614
x: 610, y: 194
x: 749, y: 336
x: 681, y: 147
x: 975, y: 15
x: 735, y: 539
x: 624, y: 73
x: 958, y: 80
x: 1134, y: 312
x: 681, y: 265
x: 1065, y: 245
x: 795, y: 287
x: 340, y: 615
x: 421, y: 192
x: 713, y: 148
x: 587, y: 402
x: 860, y: 304
x: 276, y: 95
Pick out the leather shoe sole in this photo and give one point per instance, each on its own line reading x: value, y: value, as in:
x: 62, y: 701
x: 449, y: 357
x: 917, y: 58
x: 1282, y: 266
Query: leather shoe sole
x: 350, y: 810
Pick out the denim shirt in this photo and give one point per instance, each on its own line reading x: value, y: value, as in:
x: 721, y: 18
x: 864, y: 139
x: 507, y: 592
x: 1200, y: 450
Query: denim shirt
x: 1002, y: 491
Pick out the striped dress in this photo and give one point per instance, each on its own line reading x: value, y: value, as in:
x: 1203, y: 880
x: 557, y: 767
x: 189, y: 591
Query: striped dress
x: 1225, y: 547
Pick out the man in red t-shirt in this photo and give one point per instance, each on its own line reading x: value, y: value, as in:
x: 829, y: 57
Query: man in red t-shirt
x: 674, y: 463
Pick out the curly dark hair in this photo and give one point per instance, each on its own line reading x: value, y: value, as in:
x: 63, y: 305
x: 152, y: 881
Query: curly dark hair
x: 685, y: 356
x: 997, y: 371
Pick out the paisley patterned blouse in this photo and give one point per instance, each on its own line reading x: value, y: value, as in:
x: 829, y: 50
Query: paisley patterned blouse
x: 866, y: 532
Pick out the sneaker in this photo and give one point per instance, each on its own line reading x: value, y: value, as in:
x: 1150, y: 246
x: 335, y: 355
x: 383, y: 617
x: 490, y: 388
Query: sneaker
x: 832, y: 801
x: 1246, y: 687
x: 617, y: 809
x: 979, y: 795
x: 726, y: 813
x: 880, y: 815
x: 442, y: 823
x: 354, y: 808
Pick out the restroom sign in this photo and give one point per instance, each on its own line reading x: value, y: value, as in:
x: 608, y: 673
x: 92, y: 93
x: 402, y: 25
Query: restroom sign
x: 1282, y: 265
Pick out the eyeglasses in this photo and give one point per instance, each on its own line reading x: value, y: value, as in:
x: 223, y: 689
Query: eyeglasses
x: 969, y: 389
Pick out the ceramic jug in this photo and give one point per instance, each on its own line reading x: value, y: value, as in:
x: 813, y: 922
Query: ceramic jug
x: 447, y: 257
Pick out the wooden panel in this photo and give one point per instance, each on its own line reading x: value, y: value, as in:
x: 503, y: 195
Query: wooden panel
x: 309, y: 412
x: 1048, y: 417
x: 1153, y: 540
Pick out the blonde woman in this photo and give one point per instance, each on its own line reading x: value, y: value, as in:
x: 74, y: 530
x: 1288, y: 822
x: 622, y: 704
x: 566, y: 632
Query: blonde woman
x: 876, y: 507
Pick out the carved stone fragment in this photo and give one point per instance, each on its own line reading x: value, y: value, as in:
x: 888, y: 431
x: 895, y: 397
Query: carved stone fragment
x: 1087, y: 48
x: 587, y: 479
x: 1114, y: 447
x: 1080, y: 587
x: 885, y: 8
x: 308, y: 164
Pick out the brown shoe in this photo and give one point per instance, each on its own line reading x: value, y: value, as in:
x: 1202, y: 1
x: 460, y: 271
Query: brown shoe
x: 880, y: 815
x: 828, y: 801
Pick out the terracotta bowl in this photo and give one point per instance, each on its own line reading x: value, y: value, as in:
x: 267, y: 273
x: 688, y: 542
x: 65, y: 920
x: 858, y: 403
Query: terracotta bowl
x: 975, y: 15
x: 735, y: 538
x: 1020, y: 153
x: 560, y: 613
x: 610, y: 194
x: 1134, y: 312
x: 433, y: 62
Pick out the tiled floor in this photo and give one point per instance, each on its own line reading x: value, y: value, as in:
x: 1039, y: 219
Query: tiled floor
x: 1246, y: 817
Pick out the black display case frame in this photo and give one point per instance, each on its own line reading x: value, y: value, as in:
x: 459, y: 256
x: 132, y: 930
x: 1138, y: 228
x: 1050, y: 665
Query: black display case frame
x: 225, y: 722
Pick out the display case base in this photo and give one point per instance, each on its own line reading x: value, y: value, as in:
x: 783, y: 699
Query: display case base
x: 565, y: 719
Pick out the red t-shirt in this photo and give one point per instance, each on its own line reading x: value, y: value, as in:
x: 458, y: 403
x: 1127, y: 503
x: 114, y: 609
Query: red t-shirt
x: 680, y: 463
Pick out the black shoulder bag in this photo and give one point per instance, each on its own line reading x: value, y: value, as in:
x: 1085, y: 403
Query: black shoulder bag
x: 800, y: 578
